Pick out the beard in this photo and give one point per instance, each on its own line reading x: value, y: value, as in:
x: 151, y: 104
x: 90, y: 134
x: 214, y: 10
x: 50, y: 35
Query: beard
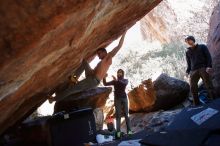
x: 120, y: 77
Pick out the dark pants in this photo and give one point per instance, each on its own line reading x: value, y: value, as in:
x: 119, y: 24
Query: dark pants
x: 121, y: 106
x: 194, y: 78
x: 91, y: 81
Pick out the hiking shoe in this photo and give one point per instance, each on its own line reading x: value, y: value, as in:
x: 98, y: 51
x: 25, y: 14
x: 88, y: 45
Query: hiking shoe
x: 130, y: 132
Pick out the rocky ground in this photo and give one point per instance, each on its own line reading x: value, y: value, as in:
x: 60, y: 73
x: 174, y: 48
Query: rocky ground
x: 151, y: 122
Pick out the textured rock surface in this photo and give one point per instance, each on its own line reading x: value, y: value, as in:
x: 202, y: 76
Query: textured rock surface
x: 214, y: 45
x: 99, y: 118
x: 141, y: 99
x: 171, y: 20
x: 42, y: 42
x: 93, y: 98
x: 151, y: 122
x: 154, y: 27
x: 169, y: 92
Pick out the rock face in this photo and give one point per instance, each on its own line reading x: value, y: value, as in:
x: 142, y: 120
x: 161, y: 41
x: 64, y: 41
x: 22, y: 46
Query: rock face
x: 150, y: 122
x: 167, y: 92
x: 141, y: 99
x: 214, y: 46
x: 154, y: 27
x: 171, y: 20
x: 99, y: 118
x: 42, y: 42
x: 93, y: 98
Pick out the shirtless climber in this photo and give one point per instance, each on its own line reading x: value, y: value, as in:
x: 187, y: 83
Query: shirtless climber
x: 93, y: 77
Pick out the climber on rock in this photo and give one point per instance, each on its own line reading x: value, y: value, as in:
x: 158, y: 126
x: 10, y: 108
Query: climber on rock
x: 93, y: 76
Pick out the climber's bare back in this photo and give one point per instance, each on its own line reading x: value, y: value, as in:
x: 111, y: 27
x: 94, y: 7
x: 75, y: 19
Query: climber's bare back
x: 102, y: 67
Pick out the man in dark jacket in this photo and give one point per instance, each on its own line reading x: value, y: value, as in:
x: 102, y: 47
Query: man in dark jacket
x: 120, y: 100
x: 199, y: 65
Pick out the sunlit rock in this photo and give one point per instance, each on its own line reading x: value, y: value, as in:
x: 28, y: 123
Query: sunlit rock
x: 165, y: 92
x: 141, y: 98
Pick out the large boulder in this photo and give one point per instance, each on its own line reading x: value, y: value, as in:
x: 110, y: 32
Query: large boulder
x: 166, y: 92
x: 94, y: 98
x: 169, y: 92
x: 42, y: 42
x: 214, y: 46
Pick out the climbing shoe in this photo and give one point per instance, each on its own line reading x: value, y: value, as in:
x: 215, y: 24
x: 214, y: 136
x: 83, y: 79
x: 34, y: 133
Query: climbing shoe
x: 130, y: 132
x: 118, y: 135
x: 74, y: 79
x: 50, y: 99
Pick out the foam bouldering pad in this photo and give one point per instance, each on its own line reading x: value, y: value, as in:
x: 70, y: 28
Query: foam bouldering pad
x: 177, y: 138
x: 213, y: 140
x: 193, y: 126
x: 206, y: 116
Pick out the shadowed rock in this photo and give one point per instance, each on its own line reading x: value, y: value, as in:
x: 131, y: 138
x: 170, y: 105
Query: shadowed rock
x: 150, y: 122
x: 214, y: 46
x: 93, y: 98
x: 169, y: 92
x: 43, y: 42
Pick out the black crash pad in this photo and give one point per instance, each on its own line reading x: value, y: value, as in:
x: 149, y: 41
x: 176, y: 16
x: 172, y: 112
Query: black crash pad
x: 176, y: 138
x: 183, y: 131
x: 183, y: 119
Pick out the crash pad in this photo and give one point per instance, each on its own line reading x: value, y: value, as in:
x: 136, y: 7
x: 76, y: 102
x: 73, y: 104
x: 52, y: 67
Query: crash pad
x: 206, y: 116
